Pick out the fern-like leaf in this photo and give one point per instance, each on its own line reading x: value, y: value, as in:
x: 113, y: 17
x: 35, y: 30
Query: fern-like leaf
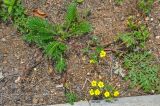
x: 55, y: 49
x: 36, y: 24
x: 40, y: 40
x: 128, y: 39
x: 71, y: 13
x: 60, y: 65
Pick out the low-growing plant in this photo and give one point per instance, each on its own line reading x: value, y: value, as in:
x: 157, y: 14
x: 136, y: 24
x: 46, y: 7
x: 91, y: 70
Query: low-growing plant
x: 100, y: 90
x: 136, y: 36
x: 118, y: 2
x: 52, y: 38
x: 71, y: 97
x: 12, y: 10
x: 7, y: 9
x: 145, y: 5
x: 142, y: 71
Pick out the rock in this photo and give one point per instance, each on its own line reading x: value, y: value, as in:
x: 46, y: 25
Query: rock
x: 118, y: 70
x: 147, y: 18
x: 35, y: 100
x: 59, y: 86
x: 88, y: 74
x: 18, y: 80
x: 157, y: 37
x: 1, y: 76
x: 3, y: 39
x: 151, y: 19
x: 122, y: 18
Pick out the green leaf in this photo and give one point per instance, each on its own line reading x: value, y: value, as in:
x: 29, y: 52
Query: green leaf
x: 55, y: 49
x: 81, y: 28
x: 80, y: 1
x: 10, y: 9
x: 60, y: 65
x: 127, y: 39
x: 39, y: 25
x: 37, y: 38
x: 9, y: 2
x: 71, y: 13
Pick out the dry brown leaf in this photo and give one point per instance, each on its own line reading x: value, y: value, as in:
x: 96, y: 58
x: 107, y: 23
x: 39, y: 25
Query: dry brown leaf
x: 39, y: 13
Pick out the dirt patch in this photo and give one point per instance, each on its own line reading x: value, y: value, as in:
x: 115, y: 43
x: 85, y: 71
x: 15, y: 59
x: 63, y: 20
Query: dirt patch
x: 39, y: 87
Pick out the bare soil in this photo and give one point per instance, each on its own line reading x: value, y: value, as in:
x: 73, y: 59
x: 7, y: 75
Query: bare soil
x: 41, y: 88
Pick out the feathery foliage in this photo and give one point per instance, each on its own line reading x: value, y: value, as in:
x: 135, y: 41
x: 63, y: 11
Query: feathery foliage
x: 145, y: 5
x: 51, y: 38
x: 142, y: 70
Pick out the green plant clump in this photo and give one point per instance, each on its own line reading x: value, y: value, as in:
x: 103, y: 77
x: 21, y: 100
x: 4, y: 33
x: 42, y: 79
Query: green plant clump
x: 52, y: 38
x: 145, y: 5
x: 13, y: 10
x: 71, y: 97
x: 136, y: 36
x: 118, y: 2
x: 142, y: 70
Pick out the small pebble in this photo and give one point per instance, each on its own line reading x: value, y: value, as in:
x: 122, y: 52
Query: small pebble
x: 151, y: 19
x: 88, y: 74
x: 1, y: 76
x: 3, y: 39
x: 157, y: 37
x: 147, y: 18
x: 35, y: 100
x: 59, y: 86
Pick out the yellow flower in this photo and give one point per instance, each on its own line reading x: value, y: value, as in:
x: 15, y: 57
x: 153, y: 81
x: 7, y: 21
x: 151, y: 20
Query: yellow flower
x: 91, y: 92
x: 92, y: 61
x: 102, y: 54
x: 116, y: 93
x: 94, y: 83
x: 100, y: 84
x: 106, y: 94
x: 97, y: 92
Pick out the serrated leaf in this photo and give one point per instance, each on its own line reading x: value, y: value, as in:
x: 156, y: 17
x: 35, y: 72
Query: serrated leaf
x: 127, y: 39
x: 39, y: 25
x: 60, y: 65
x: 54, y: 49
x: 10, y: 9
x: 71, y: 13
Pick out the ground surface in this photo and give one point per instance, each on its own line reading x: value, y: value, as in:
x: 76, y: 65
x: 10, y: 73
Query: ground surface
x: 40, y: 87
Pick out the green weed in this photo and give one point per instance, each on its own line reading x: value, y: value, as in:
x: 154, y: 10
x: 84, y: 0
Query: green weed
x: 142, y: 70
x: 13, y: 10
x: 136, y: 36
x: 118, y: 2
x: 145, y: 5
x: 71, y: 97
x: 52, y: 38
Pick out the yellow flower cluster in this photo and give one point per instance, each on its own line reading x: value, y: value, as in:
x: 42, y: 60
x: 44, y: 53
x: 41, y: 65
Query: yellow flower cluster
x: 95, y: 83
x: 94, y: 92
x: 100, y: 89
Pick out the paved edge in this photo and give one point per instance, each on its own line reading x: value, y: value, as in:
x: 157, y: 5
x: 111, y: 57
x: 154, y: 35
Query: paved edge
x: 150, y: 100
